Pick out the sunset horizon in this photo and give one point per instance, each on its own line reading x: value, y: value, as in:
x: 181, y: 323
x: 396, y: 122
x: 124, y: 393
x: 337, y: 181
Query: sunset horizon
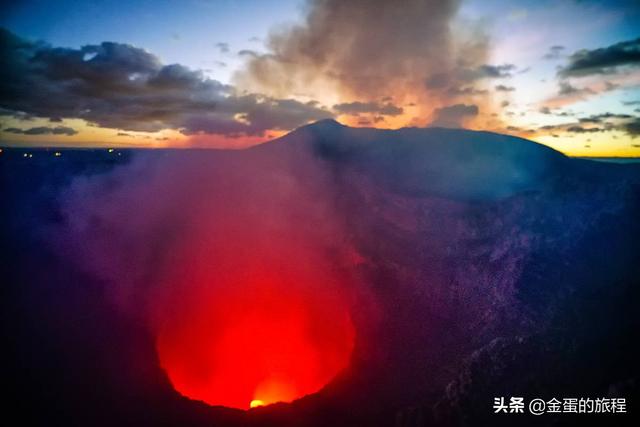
x: 451, y: 64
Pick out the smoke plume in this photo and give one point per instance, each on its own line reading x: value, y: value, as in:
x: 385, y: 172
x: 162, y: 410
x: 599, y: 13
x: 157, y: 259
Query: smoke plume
x: 236, y: 262
x: 373, y: 51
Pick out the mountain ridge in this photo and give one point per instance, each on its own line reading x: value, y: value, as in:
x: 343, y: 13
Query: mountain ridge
x: 456, y: 163
x: 322, y: 127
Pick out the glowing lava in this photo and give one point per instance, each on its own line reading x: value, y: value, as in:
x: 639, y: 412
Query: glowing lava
x: 248, y: 345
x: 255, y: 403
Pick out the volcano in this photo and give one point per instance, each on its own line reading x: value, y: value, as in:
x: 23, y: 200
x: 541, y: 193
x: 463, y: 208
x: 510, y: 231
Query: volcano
x: 334, y: 276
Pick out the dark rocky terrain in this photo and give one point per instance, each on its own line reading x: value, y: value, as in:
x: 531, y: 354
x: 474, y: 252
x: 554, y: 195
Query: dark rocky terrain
x: 490, y: 266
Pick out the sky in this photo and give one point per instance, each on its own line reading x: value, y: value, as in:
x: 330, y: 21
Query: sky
x: 230, y: 74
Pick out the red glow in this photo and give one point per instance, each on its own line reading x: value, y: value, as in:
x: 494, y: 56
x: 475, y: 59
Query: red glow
x: 267, y: 340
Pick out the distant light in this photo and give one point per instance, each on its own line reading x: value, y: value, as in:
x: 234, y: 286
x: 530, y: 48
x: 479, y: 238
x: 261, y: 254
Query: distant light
x: 25, y: 155
x: 30, y: 155
x: 58, y: 154
x: 255, y: 403
x: 110, y: 150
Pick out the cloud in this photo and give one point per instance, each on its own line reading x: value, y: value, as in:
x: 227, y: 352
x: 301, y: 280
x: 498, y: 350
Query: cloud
x: 43, y: 130
x: 438, y: 81
x: 248, y: 53
x: 469, y: 90
x: 605, y: 122
x: 503, y: 88
x: 124, y: 87
x: 254, y: 115
x: 566, y: 89
x: 487, y: 71
x: 222, y: 47
x: 598, y: 118
x: 555, y: 52
x: 355, y: 108
x: 569, y: 94
x: 363, y: 50
x: 580, y: 129
x: 454, y: 115
x: 468, y: 75
x: 605, y: 60
x: 18, y: 115
x: 632, y: 127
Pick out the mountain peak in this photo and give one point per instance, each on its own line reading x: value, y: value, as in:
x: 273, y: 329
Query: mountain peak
x: 454, y: 163
x: 326, y: 123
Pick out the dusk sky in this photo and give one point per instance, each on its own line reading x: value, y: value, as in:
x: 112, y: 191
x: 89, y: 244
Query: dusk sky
x: 199, y: 73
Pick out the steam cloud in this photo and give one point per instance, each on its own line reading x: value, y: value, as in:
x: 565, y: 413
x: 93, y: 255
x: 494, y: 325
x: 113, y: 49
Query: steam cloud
x: 372, y: 50
x: 220, y: 254
x: 243, y: 204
